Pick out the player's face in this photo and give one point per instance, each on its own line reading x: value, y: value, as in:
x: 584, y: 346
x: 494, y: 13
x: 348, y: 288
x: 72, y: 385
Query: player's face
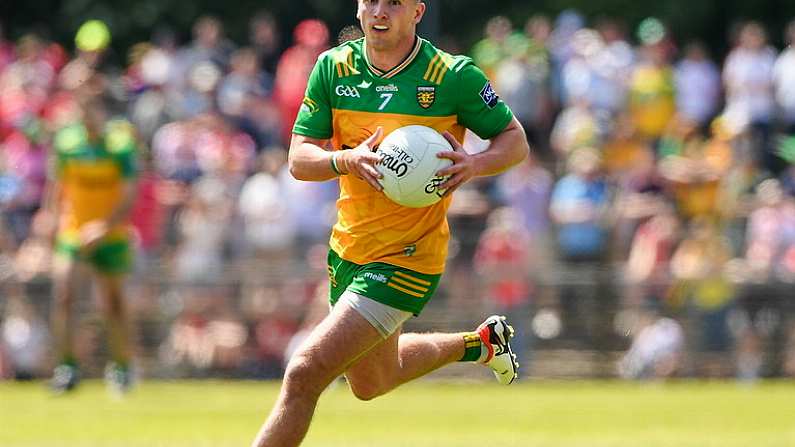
x: 388, y: 23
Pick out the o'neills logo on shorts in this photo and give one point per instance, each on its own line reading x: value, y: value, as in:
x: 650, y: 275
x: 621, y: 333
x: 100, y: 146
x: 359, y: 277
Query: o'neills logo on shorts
x: 380, y: 277
x: 396, y: 160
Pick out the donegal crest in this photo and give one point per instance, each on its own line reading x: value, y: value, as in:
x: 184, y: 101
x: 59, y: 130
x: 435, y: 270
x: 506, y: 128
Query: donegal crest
x: 426, y: 95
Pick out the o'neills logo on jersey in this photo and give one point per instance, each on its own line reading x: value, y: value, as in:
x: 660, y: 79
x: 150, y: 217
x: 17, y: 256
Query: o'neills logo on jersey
x: 347, y: 91
x: 426, y: 95
x: 396, y: 160
x: 387, y: 88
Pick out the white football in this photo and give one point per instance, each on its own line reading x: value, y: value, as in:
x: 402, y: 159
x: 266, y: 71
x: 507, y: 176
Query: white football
x: 409, y: 165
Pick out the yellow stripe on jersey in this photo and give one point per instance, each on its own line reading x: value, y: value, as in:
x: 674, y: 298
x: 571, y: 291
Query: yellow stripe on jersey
x: 404, y: 290
x: 410, y: 285
x: 438, y: 67
x: 411, y: 278
x: 343, y: 60
x: 431, y: 65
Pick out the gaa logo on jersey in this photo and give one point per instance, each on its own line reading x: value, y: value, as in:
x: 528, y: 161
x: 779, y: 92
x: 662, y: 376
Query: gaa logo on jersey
x: 347, y: 90
x: 489, y: 96
x: 426, y: 95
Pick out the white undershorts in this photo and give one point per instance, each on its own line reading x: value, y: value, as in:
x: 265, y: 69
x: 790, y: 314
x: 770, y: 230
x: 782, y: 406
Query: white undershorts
x: 385, y: 319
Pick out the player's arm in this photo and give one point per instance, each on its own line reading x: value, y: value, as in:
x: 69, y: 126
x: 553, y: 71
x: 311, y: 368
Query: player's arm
x: 46, y: 220
x: 308, y: 160
x: 481, y: 110
x: 505, y: 150
x: 121, y: 212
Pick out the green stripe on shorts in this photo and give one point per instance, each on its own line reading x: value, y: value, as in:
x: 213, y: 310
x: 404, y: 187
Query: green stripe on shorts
x: 388, y: 284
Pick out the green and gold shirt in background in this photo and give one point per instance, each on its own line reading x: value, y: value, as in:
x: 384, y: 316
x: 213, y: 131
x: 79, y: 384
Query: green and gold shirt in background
x: 92, y: 174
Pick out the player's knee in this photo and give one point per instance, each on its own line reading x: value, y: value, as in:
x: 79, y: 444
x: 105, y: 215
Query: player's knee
x: 301, y: 377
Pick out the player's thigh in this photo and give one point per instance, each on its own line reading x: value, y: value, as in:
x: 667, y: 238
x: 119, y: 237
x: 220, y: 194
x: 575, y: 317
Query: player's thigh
x: 64, y: 269
x: 342, y: 338
x: 379, y: 365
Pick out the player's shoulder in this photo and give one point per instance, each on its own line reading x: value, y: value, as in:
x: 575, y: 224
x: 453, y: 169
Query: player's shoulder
x: 120, y: 136
x: 437, y: 64
x: 69, y: 139
x: 344, y: 59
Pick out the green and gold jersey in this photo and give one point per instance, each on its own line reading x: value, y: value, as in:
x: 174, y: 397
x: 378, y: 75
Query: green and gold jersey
x: 347, y: 99
x: 92, y: 174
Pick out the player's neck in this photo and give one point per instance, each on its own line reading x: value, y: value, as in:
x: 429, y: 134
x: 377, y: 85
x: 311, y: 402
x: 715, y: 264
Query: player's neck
x: 386, y: 60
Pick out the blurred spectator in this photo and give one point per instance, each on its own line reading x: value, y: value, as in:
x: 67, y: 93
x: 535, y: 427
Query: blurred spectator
x: 652, y: 88
x: 269, y: 226
x: 264, y: 39
x: 147, y: 78
x: 244, y: 98
x: 698, y: 266
x: 577, y: 126
x: 698, y: 86
x: 750, y: 103
x: 651, y: 251
x: 6, y: 50
x: 147, y: 213
x: 784, y: 80
x: 208, y: 336
x: 503, y: 259
x: 526, y: 188
x: 209, y: 45
x: 490, y: 51
x: 522, y: 78
x: 770, y: 237
x: 656, y: 350
x: 275, y: 323
x: 24, y: 338
x: 696, y: 169
x: 561, y: 48
x: 311, y: 37
x: 202, y: 226
x: 578, y: 206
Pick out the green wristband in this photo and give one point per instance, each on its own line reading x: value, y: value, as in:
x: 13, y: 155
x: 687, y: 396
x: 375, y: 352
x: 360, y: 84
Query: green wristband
x: 334, y: 164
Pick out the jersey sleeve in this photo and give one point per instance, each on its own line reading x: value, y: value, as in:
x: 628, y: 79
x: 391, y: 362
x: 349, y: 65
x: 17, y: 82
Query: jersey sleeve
x: 121, y: 141
x: 480, y: 109
x: 314, y: 116
x: 65, y: 141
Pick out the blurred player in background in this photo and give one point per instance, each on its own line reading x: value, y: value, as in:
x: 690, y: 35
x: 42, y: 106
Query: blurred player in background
x: 386, y: 260
x: 89, y: 198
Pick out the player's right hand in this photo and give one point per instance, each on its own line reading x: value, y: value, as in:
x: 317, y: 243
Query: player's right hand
x: 361, y: 160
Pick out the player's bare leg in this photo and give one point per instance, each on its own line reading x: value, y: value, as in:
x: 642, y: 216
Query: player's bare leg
x: 337, y: 342
x: 400, y: 359
x: 111, y: 290
x: 65, y: 376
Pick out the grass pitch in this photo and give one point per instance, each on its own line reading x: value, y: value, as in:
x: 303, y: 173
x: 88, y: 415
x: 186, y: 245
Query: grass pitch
x: 424, y: 414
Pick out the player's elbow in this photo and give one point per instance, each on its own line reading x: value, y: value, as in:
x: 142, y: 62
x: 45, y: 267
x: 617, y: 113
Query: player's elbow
x: 296, y: 170
x: 521, y: 148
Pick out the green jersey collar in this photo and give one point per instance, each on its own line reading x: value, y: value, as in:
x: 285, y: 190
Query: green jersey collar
x: 399, y: 67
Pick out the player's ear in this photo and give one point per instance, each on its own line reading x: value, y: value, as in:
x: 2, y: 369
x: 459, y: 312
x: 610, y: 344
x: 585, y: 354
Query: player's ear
x: 359, y: 9
x: 419, y: 12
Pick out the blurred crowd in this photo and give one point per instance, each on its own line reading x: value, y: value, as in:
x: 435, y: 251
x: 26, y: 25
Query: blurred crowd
x: 655, y: 217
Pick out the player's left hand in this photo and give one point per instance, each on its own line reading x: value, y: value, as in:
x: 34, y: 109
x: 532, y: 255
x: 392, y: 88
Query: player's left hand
x: 463, y: 167
x: 92, y: 233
